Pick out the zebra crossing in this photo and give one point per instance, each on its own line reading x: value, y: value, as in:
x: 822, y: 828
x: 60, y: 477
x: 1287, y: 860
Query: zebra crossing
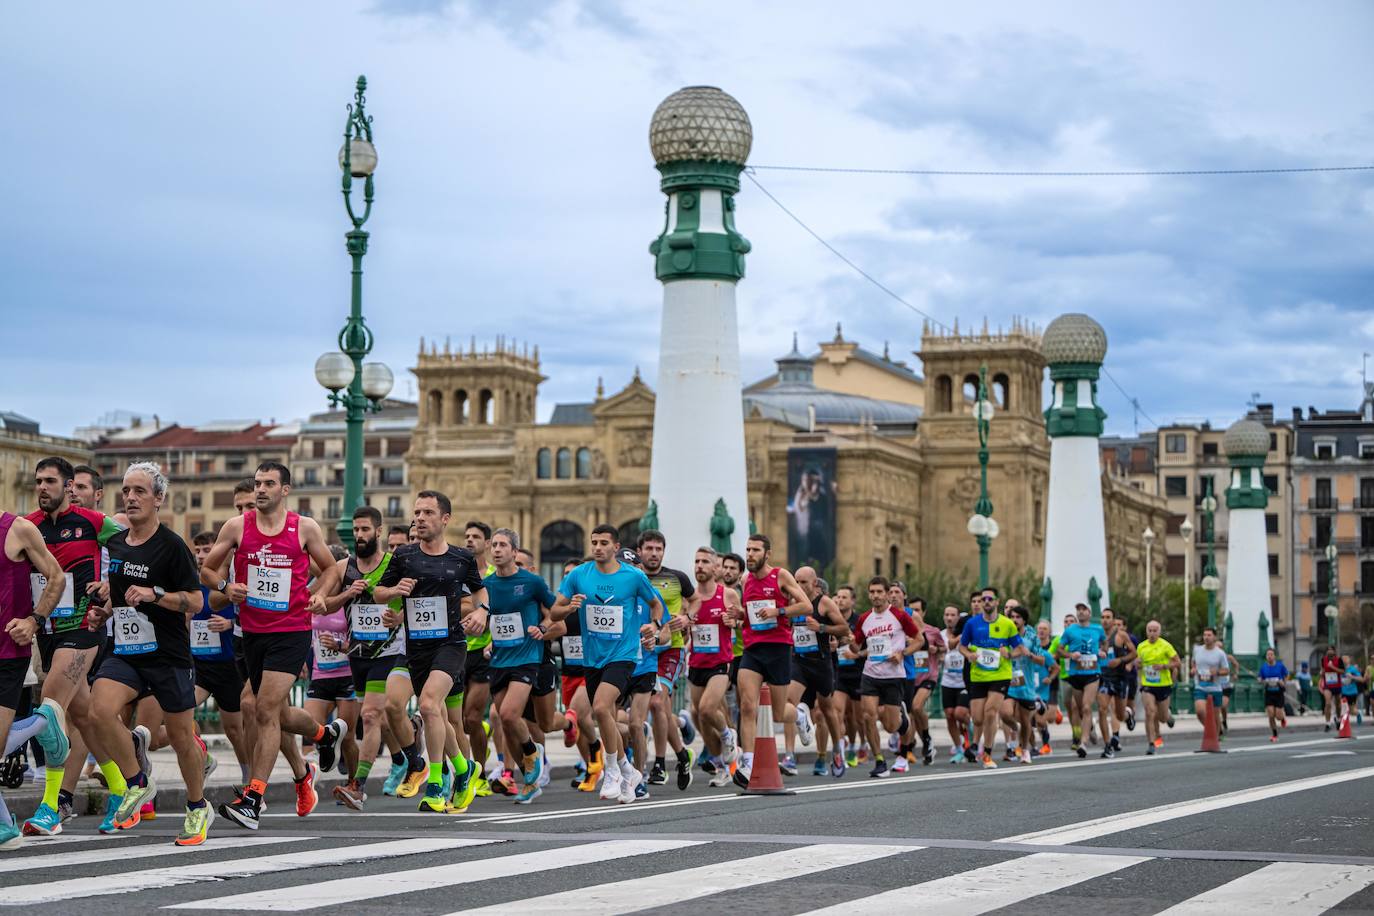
x: 477, y: 876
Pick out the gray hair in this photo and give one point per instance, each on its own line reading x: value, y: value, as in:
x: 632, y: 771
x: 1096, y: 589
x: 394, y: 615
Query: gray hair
x: 823, y: 585
x: 510, y: 536
x: 708, y: 550
x: 154, y: 473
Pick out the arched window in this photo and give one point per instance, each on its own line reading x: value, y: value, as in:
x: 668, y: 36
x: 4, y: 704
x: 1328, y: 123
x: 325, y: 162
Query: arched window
x: 559, y: 542
x: 565, y: 464
x: 584, y: 463
x: 1001, y: 390
x: 944, y: 394
x: 544, y: 464
x: 460, y: 407
x: 892, y: 557
x: 485, y: 404
x: 434, y: 413
x: 970, y: 388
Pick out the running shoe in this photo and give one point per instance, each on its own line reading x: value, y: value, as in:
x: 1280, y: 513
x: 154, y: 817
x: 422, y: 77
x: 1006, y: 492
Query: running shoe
x: 900, y: 765
x: 196, y: 827
x: 684, y: 725
x: 741, y: 777
x: 658, y: 775
x: 893, y: 742
x: 1058, y: 717
x: 729, y: 745
x: 148, y: 812
x: 533, y: 767
x: 1080, y: 750
x: 720, y: 778
x: 1273, y: 739
x: 483, y: 789
x: 328, y: 745
x: 351, y: 795
x: 53, y: 738
x: 503, y: 784
x: 956, y: 756
x: 579, y: 773
x: 1046, y: 750
x: 130, y: 809
x: 819, y: 768
x: 1130, y: 719
x: 306, y: 796
x: 112, y: 803
x: 446, y: 781
x: 10, y: 837
x: 465, y: 789
x: 433, y: 802
x: 45, y: 822
x: 1149, y: 750
x: 610, y: 784
x: 1115, y: 743
x: 864, y: 752
x: 528, y: 793
x: 65, y: 809
x: 928, y: 755
x: 806, y: 729
x: 837, y: 765
x: 641, y: 791
x: 684, y: 771
x: 417, y: 725
x: 1009, y: 755
x: 545, y: 771
x: 708, y: 766
x: 393, y: 779
x: 242, y: 811
x: 880, y: 770
x: 570, y: 733
x: 1026, y: 756
x: 851, y: 759
x: 988, y: 762
x: 588, y: 783
x: 410, y: 785
x: 1108, y: 753
x: 1159, y: 742
x: 1170, y: 723
x: 630, y: 778
x: 788, y: 765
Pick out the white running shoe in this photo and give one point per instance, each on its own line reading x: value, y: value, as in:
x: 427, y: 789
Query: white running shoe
x: 629, y: 781
x: 610, y: 783
x: 544, y: 775
x: 729, y: 746
x: 806, y: 731
x: 900, y: 764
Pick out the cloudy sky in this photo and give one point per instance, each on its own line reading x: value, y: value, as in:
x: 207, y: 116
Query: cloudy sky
x: 174, y: 233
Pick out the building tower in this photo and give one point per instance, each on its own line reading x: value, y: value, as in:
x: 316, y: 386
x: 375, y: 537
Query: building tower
x: 1074, y: 346
x: 700, y: 138
x: 1247, y: 601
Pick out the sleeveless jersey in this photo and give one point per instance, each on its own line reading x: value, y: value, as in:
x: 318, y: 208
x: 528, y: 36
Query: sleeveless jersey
x: 762, y: 593
x: 16, y: 592
x: 812, y: 644
x: 952, y: 674
x: 711, y: 635
x: 276, y: 570
x: 368, y: 637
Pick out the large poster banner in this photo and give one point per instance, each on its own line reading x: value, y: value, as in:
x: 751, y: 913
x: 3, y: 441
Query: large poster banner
x: 811, y: 507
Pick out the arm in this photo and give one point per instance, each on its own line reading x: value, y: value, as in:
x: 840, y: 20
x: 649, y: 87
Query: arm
x: 312, y: 541
x: 335, y: 598
x: 915, y: 638
x: 834, y: 623
x: 31, y: 547
x: 215, y: 569
x: 798, y: 604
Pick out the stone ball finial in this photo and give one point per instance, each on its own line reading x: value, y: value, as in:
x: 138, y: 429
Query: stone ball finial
x: 1074, y: 338
x: 700, y: 123
x: 1246, y: 439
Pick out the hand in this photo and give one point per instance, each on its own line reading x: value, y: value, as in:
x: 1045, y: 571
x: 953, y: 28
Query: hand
x: 96, y: 615
x: 405, y: 586
x: 316, y: 605
x: 22, y: 630
x: 329, y: 642
x: 576, y: 601
x: 677, y: 623
x: 218, y: 624
x: 139, y: 594
x: 475, y: 622
x: 811, y: 623
x: 391, y: 618
x: 647, y: 634
x: 356, y: 589
x: 534, y: 633
x: 100, y: 591
x: 1004, y: 652
x: 237, y: 592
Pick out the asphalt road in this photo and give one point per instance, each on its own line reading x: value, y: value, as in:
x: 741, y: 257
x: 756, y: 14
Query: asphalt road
x: 1280, y: 828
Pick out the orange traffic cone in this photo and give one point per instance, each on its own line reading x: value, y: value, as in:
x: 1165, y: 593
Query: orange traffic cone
x: 1344, y: 730
x: 1211, y: 740
x: 766, y: 777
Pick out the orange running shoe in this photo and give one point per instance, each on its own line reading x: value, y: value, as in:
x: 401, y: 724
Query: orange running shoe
x: 570, y: 733
x: 306, y: 797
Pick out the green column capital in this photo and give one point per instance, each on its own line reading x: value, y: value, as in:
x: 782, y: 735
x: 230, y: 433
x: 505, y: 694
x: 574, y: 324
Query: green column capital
x: 684, y: 251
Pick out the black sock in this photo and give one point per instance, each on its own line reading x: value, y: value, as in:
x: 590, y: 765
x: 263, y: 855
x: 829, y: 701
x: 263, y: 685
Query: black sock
x: 139, y: 779
x: 64, y: 797
x: 683, y: 756
x: 398, y: 758
x: 412, y: 753
x: 925, y: 737
x: 528, y: 748
x: 196, y: 804
x: 594, y: 748
x: 659, y: 762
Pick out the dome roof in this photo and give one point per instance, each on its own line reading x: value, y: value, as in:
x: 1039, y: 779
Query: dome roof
x: 700, y: 123
x: 1246, y: 439
x: 1074, y: 338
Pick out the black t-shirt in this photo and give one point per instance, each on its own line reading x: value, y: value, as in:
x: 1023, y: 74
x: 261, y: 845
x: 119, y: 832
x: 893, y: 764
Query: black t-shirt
x: 448, y: 576
x: 162, y: 561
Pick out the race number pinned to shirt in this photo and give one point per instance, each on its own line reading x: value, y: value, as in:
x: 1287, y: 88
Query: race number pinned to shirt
x: 327, y: 658
x: 706, y: 638
x: 922, y: 660
x: 954, y: 661
x: 203, y: 640
x: 755, y: 610
x: 367, y: 622
x: 133, y: 632
x: 507, y: 629
x: 989, y: 659
x: 572, y: 649
x: 804, y: 639
x: 269, y: 588
x: 879, y: 647
x: 66, y: 605
x: 1151, y: 673
x: 605, y: 621
x: 427, y: 618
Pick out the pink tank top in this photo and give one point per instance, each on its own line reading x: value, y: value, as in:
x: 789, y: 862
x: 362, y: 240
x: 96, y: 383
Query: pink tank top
x: 712, y: 639
x: 16, y: 593
x: 327, y: 663
x: 276, y: 571
x: 760, y: 593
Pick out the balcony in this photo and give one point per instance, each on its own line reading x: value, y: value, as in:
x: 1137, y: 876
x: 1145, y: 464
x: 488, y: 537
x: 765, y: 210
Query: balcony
x: 1323, y: 504
x: 1363, y: 503
x: 1344, y: 545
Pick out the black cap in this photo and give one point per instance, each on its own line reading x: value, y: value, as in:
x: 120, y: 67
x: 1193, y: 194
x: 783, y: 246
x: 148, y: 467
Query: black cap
x: 627, y: 555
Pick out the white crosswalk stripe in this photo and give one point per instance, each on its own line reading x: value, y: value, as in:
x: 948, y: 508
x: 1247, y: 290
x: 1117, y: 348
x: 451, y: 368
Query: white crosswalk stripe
x: 78, y: 858
x: 992, y: 887
x: 692, y: 883
x: 128, y: 882
x: 1284, y: 888
x: 349, y: 890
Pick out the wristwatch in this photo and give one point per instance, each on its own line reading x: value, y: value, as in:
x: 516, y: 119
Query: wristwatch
x: 159, y: 593
x: 223, y: 584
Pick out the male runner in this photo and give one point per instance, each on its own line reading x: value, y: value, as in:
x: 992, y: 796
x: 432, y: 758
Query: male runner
x: 884, y: 636
x: 813, y: 675
x: 1049, y: 687
x: 68, y: 648
x: 1083, y: 645
x: 953, y: 692
x: 708, y: 667
x: 273, y: 549
x: 434, y: 577
x: 1332, y: 672
x: 848, y: 680
x: 606, y: 595
x: 1023, y: 696
x: 152, y: 592
x: 926, y: 668
x: 1273, y: 674
x: 1210, y: 666
x: 396, y: 536
x: 575, y: 700
x: 24, y: 556
x: 673, y: 586
x: 212, y: 650
x: 475, y: 686
x: 988, y: 642
x: 1159, y: 667
x: 771, y: 599
x: 1116, y: 675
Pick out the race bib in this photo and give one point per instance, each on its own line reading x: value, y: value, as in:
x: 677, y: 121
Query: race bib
x: 1204, y: 675
x: 922, y: 660
x: 954, y: 661
x: 427, y: 618
x: 1273, y: 682
x: 572, y: 648
x: 1018, y: 677
x: 879, y: 647
x: 507, y: 629
x: 203, y: 641
x: 804, y: 639
x: 133, y: 632
x: 1086, y: 662
x: 989, y: 659
x: 327, y: 658
x: 605, y: 621
x: 66, y: 605
x: 269, y: 588
x: 1152, y: 673
x: 706, y: 638
x: 367, y: 622
x: 754, y: 609
x: 1332, y: 678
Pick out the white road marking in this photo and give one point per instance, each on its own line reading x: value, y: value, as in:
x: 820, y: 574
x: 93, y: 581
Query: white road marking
x: 78, y: 858
x: 1323, y: 754
x: 1284, y: 888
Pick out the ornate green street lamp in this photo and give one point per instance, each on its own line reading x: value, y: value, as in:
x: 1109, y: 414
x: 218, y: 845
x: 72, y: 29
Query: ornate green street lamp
x: 981, y: 524
x: 1333, y: 610
x: 1210, y: 583
x: 353, y: 385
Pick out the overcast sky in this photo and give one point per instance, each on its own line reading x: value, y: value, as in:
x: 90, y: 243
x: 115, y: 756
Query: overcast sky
x: 173, y: 240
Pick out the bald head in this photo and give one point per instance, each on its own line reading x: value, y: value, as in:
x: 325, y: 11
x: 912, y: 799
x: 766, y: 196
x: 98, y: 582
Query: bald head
x: 806, y: 577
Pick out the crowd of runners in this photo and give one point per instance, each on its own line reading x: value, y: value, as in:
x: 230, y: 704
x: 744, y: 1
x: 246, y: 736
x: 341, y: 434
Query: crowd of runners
x: 135, y: 630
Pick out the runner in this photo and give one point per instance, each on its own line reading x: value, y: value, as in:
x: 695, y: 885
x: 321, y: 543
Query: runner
x: 1116, y: 676
x: 606, y: 594
x: 988, y: 642
x: 732, y: 575
x: 272, y: 552
x: 708, y: 666
x: 474, y: 690
x: 1351, y: 682
x: 374, y: 650
x: 520, y: 629
x: 1049, y: 688
x: 1023, y: 696
x: 1209, y: 668
x: 331, y: 680
x: 575, y: 701
x: 434, y: 578
x: 1332, y: 672
x: 953, y: 695
x: 813, y: 677
x: 927, y: 665
x: 152, y: 593
x: 212, y: 650
x: 1082, y: 644
x: 24, y: 556
x: 771, y: 599
x: 848, y: 680
x: 1159, y: 667
x: 674, y: 586
x: 397, y: 536
x: 1273, y: 674
x: 884, y: 636
x: 68, y: 648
